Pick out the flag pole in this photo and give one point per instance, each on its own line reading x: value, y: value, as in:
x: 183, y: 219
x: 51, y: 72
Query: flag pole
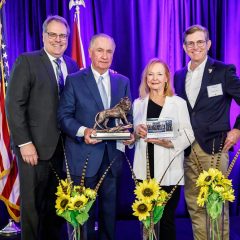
x: 11, y: 229
x: 77, y: 46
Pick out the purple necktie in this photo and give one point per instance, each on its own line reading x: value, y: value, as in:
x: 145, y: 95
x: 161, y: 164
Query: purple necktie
x: 60, y: 79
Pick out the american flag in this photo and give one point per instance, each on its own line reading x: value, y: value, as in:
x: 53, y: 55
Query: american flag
x: 77, y: 46
x: 9, y: 180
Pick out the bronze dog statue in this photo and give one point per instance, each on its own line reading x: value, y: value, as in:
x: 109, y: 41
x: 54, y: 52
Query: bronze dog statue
x: 119, y: 111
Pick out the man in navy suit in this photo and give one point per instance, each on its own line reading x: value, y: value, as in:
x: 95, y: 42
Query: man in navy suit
x: 79, y: 104
x: 31, y: 104
x: 208, y: 87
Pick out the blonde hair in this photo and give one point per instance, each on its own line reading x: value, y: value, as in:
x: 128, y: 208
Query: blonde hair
x: 144, y: 89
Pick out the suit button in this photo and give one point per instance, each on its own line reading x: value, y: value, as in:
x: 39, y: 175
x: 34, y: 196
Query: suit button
x: 193, y: 114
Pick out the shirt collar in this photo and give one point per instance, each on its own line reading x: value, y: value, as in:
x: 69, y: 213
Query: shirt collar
x: 51, y: 57
x: 97, y: 74
x: 201, y: 66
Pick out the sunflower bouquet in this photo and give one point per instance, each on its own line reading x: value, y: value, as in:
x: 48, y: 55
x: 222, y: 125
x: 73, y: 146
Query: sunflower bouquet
x: 214, y: 190
x: 150, y: 200
x: 149, y: 204
x: 74, y: 202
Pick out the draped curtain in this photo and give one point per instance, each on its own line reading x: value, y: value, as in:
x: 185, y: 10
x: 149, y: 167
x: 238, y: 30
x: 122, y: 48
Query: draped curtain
x: 142, y: 29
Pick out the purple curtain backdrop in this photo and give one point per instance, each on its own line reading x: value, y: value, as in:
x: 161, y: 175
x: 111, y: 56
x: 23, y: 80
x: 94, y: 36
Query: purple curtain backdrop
x: 142, y: 30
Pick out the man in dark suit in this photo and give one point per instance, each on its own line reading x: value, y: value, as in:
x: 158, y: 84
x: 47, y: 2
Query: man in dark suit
x: 31, y: 104
x: 81, y: 100
x: 208, y: 87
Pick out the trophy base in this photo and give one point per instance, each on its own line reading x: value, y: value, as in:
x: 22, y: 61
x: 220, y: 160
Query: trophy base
x: 111, y: 135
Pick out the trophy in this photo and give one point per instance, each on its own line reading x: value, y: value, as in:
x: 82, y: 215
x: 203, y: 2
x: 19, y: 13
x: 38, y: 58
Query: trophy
x: 119, y: 113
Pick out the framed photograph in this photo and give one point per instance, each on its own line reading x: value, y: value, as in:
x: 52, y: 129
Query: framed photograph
x: 160, y: 128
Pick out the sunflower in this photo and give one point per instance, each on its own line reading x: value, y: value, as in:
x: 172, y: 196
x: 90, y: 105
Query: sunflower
x: 62, y: 203
x: 90, y: 193
x: 228, y: 195
x: 218, y: 187
x: 227, y: 183
x: 64, y: 187
x: 201, y: 181
x: 141, y: 209
x: 162, y: 198
x: 79, y: 190
x: 202, y: 196
x: 77, y: 202
x: 148, y: 190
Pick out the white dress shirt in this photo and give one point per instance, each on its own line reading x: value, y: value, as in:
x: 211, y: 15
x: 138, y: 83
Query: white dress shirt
x: 194, y: 81
x: 106, y: 83
x: 63, y: 65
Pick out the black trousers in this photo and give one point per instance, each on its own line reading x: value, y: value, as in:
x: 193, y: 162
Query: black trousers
x: 104, y: 209
x: 37, y: 191
x: 167, y: 230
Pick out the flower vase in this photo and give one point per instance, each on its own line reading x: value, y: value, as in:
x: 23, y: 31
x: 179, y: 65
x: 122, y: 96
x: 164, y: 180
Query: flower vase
x: 78, y: 233
x: 215, y: 226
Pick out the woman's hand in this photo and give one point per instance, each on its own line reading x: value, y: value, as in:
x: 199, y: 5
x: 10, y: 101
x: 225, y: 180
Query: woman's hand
x: 141, y: 131
x: 162, y: 142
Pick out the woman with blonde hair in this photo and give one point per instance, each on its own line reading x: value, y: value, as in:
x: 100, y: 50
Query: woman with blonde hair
x: 157, y: 101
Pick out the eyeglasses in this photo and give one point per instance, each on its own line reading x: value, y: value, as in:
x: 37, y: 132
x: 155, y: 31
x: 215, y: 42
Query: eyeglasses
x: 53, y: 36
x: 199, y: 43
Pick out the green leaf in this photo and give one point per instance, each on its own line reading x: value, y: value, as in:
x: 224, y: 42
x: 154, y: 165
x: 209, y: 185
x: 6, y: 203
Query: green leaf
x: 157, y: 213
x: 214, y: 208
x: 69, y: 216
x: 146, y: 222
x: 82, y: 217
x: 88, y: 206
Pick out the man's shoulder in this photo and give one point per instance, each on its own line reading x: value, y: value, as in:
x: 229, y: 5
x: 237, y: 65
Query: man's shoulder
x: 180, y: 71
x: 82, y: 73
x: 219, y: 64
x: 119, y: 76
x: 32, y: 54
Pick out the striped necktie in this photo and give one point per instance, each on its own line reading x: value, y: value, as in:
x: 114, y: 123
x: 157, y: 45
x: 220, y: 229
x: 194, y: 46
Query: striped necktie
x: 60, y: 79
x: 102, y: 92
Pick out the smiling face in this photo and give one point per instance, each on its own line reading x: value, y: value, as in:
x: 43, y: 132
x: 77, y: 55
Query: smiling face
x: 196, y: 47
x: 55, y: 46
x: 101, y: 54
x: 157, y: 78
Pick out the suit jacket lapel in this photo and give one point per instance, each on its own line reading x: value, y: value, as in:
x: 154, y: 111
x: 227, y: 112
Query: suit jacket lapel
x: 93, y: 88
x: 207, y: 76
x: 114, y: 89
x: 183, y: 81
x: 48, y: 65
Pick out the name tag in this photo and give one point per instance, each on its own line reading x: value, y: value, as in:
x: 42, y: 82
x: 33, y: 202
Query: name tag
x: 215, y: 90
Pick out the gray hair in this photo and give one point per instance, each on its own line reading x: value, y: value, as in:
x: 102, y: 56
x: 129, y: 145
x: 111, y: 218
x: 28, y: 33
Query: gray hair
x: 103, y: 35
x: 57, y: 19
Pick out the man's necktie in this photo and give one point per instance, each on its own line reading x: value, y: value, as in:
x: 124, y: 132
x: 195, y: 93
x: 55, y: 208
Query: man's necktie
x: 103, y: 93
x: 60, y: 79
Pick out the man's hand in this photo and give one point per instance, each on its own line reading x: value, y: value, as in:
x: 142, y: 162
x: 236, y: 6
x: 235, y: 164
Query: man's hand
x: 232, y: 138
x: 29, y: 154
x: 87, y: 136
x: 129, y: 141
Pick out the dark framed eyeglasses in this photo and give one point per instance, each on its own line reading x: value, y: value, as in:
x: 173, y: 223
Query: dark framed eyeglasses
x: 53, y: 36
x: 199, y: 43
